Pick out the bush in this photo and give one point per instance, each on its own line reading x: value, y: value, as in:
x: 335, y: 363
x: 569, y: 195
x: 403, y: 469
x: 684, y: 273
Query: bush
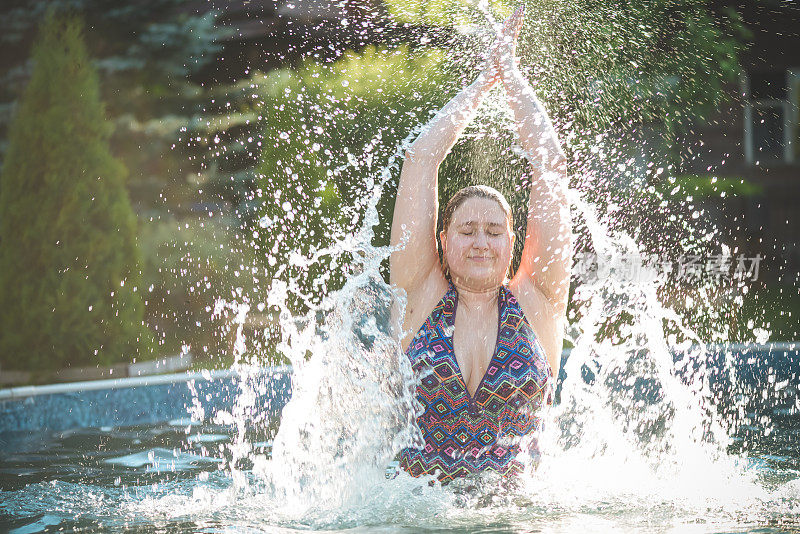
x: 69, y: 264
x: 188, y: 266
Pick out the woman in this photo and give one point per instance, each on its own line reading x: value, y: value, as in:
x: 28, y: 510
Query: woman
x: 487, y: 348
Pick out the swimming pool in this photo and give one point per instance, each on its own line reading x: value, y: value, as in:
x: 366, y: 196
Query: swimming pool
x: 134, y: 455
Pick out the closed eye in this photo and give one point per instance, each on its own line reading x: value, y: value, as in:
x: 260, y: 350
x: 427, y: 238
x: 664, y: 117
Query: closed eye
x: 492, y: 234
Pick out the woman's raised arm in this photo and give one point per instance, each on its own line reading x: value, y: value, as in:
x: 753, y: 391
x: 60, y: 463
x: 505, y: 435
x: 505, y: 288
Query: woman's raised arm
x: 547, y: 252
x: 417, y: 205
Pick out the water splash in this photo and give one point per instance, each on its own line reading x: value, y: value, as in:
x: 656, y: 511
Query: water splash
x: 636, y: 438
x: 352, y: 403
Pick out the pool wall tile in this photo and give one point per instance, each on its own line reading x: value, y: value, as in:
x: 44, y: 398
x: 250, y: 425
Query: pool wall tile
x: 143, y: 404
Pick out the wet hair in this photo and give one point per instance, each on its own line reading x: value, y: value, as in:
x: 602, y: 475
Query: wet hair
x: 472, y: 191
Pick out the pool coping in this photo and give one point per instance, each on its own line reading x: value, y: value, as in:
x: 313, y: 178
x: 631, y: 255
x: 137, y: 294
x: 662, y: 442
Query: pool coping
x: 22, y: 392
x: 769, y: 345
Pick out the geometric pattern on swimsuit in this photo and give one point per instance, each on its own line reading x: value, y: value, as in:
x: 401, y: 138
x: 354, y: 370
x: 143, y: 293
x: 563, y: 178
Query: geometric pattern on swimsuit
x: 465, y: 435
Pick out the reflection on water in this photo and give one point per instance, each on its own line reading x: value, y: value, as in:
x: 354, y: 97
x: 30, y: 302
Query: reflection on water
x: 160, y: 460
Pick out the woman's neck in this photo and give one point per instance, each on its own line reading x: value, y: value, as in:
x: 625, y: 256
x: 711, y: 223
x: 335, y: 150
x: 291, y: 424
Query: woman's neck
x: 477, y: 298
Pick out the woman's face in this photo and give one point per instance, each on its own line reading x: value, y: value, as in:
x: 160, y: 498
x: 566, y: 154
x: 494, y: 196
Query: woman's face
x: 478, y: 244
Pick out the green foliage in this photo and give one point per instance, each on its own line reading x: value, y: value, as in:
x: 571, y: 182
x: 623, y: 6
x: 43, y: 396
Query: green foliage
x: 441, y: 12
x: 601, y: 65
x: 619, y: 64
x: 773, y: 307
x: 187, y: 268
x: 145, y: 53
x: 708, y: 185
x: 69, y: 263
x: 330, y: 129
x: 158, y: 34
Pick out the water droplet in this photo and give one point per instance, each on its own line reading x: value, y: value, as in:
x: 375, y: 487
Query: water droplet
x: 263, y: 222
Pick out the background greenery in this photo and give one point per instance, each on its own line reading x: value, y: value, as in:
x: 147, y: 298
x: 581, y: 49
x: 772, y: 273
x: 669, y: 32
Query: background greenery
x: 69, y: 265
x: 229, y: 179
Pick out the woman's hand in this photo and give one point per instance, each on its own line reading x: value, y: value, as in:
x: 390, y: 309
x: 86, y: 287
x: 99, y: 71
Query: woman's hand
x: 502, y: 54
x: 505, y: 48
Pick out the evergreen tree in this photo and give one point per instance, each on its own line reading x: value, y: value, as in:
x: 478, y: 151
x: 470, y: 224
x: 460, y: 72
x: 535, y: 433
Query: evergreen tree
x: 69, y: 262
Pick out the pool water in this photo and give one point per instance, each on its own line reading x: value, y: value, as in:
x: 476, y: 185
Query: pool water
x: 85, y: 478
x: 179, y: 476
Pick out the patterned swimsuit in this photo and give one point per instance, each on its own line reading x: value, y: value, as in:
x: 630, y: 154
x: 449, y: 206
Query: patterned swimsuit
x: 464, y: 434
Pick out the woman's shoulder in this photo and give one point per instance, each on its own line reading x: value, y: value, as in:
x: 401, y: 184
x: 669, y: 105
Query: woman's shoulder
x: 421, y: 302
x: 427, y: 292
x: 539, y: 313
x: 526, y: 293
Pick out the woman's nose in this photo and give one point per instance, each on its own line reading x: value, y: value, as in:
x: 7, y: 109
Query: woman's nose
x: 481, y: 240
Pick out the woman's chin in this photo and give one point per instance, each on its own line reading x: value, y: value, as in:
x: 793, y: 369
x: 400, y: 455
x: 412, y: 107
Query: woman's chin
x: 480, y: 278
